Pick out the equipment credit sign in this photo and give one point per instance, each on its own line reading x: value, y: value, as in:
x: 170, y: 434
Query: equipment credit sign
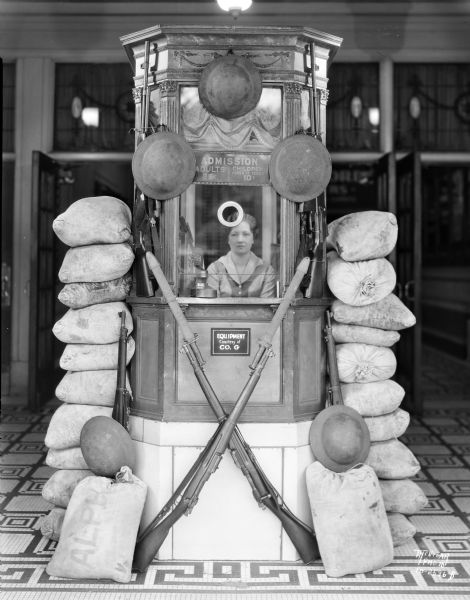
x: 230, y: 342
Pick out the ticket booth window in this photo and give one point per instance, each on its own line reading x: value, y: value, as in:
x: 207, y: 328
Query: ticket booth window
x: 207, y: 234
x: 232, y: 158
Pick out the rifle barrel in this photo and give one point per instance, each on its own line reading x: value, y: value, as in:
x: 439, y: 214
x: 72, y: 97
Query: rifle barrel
x: 332, y: 362
x: 300, y: 534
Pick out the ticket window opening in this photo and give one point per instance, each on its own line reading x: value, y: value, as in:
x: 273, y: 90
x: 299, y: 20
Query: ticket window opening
x: 222, y: 257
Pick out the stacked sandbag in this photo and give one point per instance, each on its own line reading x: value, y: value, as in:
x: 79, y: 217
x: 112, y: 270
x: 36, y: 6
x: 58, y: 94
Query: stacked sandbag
x: 96, y: 274
x: 367, y: 319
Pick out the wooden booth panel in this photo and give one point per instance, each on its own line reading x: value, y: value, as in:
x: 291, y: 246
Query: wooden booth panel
x: 310, y: 363
x: 292, y: 384
x: 228, y: 374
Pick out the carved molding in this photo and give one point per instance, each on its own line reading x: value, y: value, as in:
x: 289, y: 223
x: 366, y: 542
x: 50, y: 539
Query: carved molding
x: 201, y: 59
x: 324, y: 96
x: 293, y: 89
x: 137, y: 94
x: 168, y: 87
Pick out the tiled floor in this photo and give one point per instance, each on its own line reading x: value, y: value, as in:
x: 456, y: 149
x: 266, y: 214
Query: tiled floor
x: 435, y: 563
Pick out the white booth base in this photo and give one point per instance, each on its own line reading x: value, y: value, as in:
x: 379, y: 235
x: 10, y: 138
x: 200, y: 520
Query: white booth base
x: 226, y: 523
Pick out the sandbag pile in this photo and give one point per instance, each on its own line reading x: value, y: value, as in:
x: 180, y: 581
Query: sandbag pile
x: 367, y: 319
x: 96, y: 274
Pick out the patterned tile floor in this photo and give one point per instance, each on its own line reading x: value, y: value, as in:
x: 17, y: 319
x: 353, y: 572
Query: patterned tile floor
x: 435, y: 563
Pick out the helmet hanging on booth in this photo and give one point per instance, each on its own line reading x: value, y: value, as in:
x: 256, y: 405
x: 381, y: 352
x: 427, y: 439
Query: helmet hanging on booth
x: 164, y: 165
x: 230, y: 86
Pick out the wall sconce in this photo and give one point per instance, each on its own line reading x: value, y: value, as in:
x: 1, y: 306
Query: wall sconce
x: 234, y: 7
x: 356, y: 107
x: 414, y: 107
x: 374, y: 117
x: 90, y: 115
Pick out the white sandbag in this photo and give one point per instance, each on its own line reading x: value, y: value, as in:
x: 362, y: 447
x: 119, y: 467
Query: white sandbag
x: 401, y: 528
x: 79, y: 295
x: 387, y: 427
x: 392, y: 460
x: 364, y: 363
x: 69, y: 458
x: 96, y: 324
x: 95, y: 220
x: 100, y: 529
x: 361, y: 282
x: 344, y: 333
x: 60, y: 485
x: 349, y: 520
x: 389, y: 313
x: 363, y: 235
x: 402, y: 496
x: 97, y: 263
x: 51, y: 524
x: 94, y: 357
x: 97, y: 388
x: 67, y: 422
x: 373, y: 399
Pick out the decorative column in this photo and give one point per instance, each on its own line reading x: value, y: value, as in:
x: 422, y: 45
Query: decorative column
x: 386, y: 105
x: 290, y: 219
x: 33, y: 131
x: 170, y: 208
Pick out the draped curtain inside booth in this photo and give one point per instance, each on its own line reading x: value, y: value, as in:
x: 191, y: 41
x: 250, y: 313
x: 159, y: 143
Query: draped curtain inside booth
x: 107, y: 87
x: 432, y: 107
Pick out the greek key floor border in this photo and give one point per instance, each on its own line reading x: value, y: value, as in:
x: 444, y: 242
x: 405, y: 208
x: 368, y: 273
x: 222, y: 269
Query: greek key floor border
x: 436, y: 562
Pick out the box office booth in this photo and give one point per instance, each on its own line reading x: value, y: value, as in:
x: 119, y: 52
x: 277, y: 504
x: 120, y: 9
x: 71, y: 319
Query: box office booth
x: 171, y: 419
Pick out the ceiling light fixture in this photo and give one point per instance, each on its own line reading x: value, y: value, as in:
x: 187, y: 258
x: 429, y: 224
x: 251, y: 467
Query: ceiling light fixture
x: 234, y: 7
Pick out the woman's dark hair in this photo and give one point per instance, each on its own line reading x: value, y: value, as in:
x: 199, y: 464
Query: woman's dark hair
x: 248, y: 219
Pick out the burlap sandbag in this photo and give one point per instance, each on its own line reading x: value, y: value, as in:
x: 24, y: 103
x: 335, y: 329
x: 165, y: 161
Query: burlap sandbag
x: 363, y: 235
x: 96, y: 324
x: 388, y: 313
x: 59, y: 487
x: 67, y: 422
x: 388, y: 427
x: 402, y: 496
x: 95, y: 220
x: 361, y: 282
x: 97, y: 388
x: 70, y: 458
x: 94, y: 357
x: 100, y: 529
x: 51, y: 524
x: 97, y: 263
x: 373, y: 399
x: 364, y: 363
x: 79, y: 295
x: 401, y: 528
x: 344, y: 333
x: 392, y: 460
x: 349, y: 519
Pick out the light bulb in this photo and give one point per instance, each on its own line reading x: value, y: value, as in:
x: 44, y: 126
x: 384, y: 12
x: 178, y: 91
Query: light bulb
x: 234, y: 7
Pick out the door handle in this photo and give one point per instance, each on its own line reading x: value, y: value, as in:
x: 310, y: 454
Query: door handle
x: 409, y: 285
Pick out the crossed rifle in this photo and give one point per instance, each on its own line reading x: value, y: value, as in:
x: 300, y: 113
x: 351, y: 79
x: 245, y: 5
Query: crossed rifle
x: 226, y: 435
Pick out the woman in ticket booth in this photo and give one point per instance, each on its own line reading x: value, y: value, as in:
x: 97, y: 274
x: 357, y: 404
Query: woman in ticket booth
x: 240, y: 272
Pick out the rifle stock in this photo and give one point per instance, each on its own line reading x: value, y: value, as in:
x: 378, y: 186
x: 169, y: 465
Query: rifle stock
x: 146, y: 549
x: 153, y: 537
